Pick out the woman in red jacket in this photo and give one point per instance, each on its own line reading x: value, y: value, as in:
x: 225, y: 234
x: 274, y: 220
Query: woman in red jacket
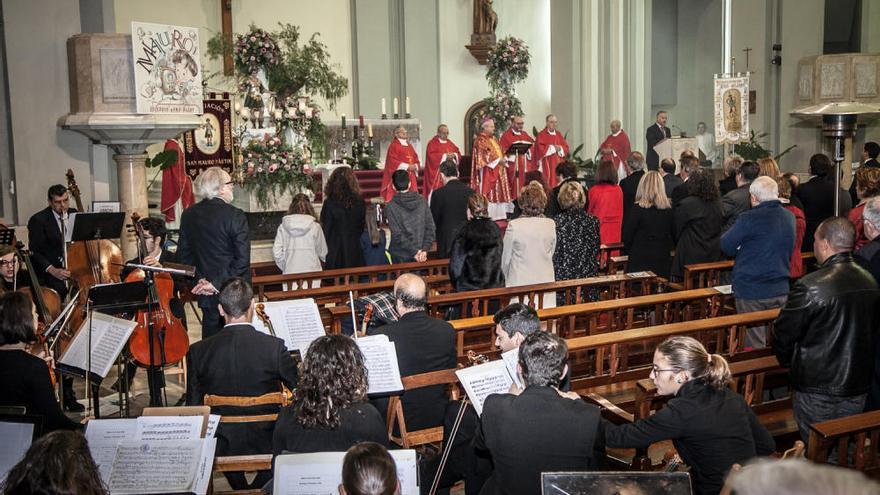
x: 606, y: 203
x: 800, y: 225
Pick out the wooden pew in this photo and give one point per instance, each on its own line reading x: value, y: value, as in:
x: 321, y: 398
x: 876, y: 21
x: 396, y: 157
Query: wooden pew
x: 602, y: 316
x: 605, y: 253
x: 862, y: 430
x: 709, y: 274
x: 608, y: 287
x: 343, y: 276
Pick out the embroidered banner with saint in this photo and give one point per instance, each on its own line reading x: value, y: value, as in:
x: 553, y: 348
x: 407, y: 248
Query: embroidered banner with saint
x: 731, y: 109
x: 210, y: 144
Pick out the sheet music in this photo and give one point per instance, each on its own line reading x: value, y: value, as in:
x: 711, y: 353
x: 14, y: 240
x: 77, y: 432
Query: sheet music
x: 150, y: 428
x: 638, y: 274
x: 483, y: 380
x: 724, y: 289
x: 206, y: 466
x: 297, y: 322
x: 109, y: 336
x: 104, y: 436
x: 17, y: 438
x: 321, y: 473
x: 380, y: 358
x: 511, y: 359
x: 155, y: 467
x: 213, y: 423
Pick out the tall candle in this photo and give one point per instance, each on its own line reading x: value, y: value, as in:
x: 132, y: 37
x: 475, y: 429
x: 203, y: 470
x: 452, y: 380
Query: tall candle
x: 396, y: 106
x: 407, y: 104
x: 343, y: 121
x: 370, y: 130
x: 361, y: 119
x: 383, y: 107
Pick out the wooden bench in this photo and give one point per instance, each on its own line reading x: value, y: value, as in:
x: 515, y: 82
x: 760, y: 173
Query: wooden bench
x: 861, y: 430
x: 606, y: 251
x: 602, y: 316
x: 701, y: 275
x: 344, y: 276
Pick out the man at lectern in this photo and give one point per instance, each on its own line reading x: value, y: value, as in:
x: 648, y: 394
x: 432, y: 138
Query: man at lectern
x: 656, y: 132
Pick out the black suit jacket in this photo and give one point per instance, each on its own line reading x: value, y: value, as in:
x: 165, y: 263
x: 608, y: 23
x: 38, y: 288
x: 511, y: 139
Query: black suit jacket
x: 449, y: 209
x: 654, y: 135
x: 423, y: 344
x: 552, y: 208
x: 45, y: 242
x: 817, y: 196
x: 239, y: 361
x: 214, y: 238
x: 534, y: 432
x: 629, y: 185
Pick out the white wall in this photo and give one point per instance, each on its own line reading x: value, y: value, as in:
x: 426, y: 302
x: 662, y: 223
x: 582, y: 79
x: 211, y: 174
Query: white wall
x: 36, y: 37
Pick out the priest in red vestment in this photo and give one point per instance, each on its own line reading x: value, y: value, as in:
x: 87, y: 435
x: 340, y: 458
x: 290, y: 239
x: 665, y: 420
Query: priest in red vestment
x: 550, y: 149
x: 401, y: 156
x: 440, y: 148
x: 517, y: 165
x: 616, y: 149
x: 489, y: 170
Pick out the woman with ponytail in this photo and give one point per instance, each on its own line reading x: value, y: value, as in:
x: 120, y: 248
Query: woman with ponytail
x: 710, y: 425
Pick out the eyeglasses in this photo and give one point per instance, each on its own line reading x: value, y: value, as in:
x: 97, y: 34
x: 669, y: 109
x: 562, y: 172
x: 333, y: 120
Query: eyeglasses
x: 7, y: 263
x: 655, y: 370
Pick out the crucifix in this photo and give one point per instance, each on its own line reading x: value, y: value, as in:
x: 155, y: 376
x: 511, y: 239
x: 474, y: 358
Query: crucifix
x: 747, y: 50
x: 226, y: 23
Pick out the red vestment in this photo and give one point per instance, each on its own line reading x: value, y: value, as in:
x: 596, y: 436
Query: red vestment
x: 434, y: 156
x: 176, y: 184
x: 399, y: 157
x: 517, y: 166
x: 606, y: 204
x: 617, y: 150
x: 489, y: 170
x: 545, y: 157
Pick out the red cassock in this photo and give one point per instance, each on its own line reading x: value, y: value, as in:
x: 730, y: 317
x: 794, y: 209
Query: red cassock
x: 399, y: 156
x: 489, y: 170
x: 434, y: 156
x: 517, y: 166
x: 617, y: 149
x: 545, y: 157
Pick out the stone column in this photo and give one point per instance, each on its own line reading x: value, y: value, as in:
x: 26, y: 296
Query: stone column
x: 131, y: 173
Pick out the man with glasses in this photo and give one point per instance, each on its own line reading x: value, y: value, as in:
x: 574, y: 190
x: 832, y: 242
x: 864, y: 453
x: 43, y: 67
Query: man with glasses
x: 214, y: 238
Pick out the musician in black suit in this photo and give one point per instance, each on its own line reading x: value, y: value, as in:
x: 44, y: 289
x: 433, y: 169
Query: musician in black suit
x: 654, y: 134
x: 214, y: 238
x: 449, y: 206
x: 239, y: 361
x: 630, y: 184
x: 423, y: 344
x: 46, y: 242
x: 539, y: 430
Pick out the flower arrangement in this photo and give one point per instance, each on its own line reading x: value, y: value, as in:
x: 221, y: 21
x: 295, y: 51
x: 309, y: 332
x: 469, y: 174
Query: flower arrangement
x: 270, y: 167
x: 254, y: 50
x: 508, y: 64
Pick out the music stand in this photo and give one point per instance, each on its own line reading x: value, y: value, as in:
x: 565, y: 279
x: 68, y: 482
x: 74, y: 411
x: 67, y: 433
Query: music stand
x: 518, y: 148
x: 93, y: 226
x: 7, y: 237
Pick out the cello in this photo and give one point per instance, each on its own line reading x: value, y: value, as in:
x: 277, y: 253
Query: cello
x: 47, y: 302
x: 90, y: 263
x: 170, y: 340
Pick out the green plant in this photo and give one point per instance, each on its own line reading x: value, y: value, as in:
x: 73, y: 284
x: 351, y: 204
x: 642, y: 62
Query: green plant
x: 585, y: 166
x: 753, y: 150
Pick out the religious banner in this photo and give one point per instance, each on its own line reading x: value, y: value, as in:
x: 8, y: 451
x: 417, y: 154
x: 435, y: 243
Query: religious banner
x: 210, y: 144
x: 167, y: 70
x: 731, y: 109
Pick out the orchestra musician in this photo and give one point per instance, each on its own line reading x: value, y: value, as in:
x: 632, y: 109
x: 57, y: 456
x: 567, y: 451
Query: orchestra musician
x: 46, y: 230
x: 11, y: 276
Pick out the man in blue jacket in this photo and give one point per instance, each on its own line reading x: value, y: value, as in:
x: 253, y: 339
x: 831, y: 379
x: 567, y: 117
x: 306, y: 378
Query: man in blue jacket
x: 761, y: 240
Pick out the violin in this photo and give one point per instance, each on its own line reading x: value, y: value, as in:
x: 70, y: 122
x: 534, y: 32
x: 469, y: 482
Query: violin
x: 90, y: 263
x: 170, y: 340
x: 260, y: 309
x: 47, y: 302
x: 368, y: 314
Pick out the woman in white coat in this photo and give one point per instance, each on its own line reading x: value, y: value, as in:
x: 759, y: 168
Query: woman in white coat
x: 529, y: 244
x: 299, y: 243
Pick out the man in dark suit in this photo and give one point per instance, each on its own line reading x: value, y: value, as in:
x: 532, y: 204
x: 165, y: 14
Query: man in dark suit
x: 45, y: 231
x: 739, y: 200
x: 630, y: 184
x: 817, y: 196
x: 670, y: 179
x: 214, y: 238
x: 46, y: 241
x: 423, y: 344
x: 539, y: 430
x: 565, y: 172
x: 449, y: 206
x: 239, y: 361
x: 654, y: 134
x: 869, y: 159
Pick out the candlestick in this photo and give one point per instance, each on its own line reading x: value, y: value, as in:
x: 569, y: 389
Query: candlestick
x: 370, y: 130
x: 383, y: 107
x: 395, y: 106
x: 407, y: 105
x: 361, y: 119
x: 343, y: 121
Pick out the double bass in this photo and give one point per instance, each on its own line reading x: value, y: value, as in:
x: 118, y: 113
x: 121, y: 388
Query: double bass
x: 90, y: 263
x: 170, y: 340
